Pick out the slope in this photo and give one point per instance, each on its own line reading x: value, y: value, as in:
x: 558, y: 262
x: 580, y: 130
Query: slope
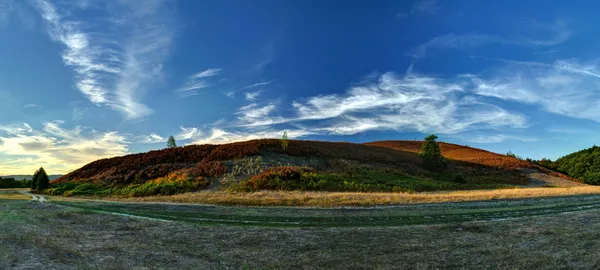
x: 303, y: 165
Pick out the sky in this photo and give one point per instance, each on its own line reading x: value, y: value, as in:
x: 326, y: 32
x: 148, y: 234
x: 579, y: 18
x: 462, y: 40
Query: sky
x: 82, y: 80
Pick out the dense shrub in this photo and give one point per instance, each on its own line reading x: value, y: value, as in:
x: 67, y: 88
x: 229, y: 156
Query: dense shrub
x: 174, y: 183
x: 209, y: 169
x: 280, y: 178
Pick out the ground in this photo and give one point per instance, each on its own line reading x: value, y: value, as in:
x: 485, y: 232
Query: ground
x: 542, y: 233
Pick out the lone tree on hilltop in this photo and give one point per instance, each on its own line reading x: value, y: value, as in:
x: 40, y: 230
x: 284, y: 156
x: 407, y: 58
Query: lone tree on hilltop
x: 431, y: 154
x: 284, y: 141
x: 171, y: 142
x: 42, y: 180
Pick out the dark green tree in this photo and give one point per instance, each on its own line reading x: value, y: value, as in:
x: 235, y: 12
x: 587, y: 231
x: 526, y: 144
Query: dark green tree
x: 42, y: 181
x: 171, y: 142
x: 431, y: 154
x: 34, y: 179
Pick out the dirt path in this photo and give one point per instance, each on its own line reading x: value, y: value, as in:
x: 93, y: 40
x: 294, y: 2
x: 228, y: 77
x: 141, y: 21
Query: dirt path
x: 539, y: 179
x: 34, y: 197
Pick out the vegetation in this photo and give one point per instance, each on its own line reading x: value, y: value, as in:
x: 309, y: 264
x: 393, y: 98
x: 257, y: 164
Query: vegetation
x: 584, y: 165
x: 431, y: 154
x: 82, y: 234
x: 171, y: 142
x: 41, y: 180
x: 12, y: 183
x: 392, y: 166
x: 284, y: 141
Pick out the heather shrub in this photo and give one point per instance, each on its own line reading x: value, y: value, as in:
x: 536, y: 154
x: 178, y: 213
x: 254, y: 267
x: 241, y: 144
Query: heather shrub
x: 209, y: 169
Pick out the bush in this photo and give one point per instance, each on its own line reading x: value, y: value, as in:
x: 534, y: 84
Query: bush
x: 209, y: 169
x: 279, y: 178
x: 458, y: 178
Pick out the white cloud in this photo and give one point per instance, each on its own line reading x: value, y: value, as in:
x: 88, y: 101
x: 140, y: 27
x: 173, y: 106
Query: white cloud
x: 535, y: 35
x: 256, y: 85
x: 425, y: 7
x: 188, y: 133
x: 207, y: 73
x: 114, y: 65
x: 32, y: 106
x: 197, y: 82
x: 251, y: 96
x: 497, y: 138
x: 57, y: 149
x: 565, y: 87
x: 152, y: 138
x: 219, y: 136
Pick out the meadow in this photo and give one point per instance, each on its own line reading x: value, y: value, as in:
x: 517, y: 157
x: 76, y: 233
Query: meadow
x: 545, y: 233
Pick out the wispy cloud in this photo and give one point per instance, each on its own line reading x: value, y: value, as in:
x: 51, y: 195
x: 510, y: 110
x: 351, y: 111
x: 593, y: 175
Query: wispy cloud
x: 565, y: 87
x: 197, y: 82
x: 497, y: 138
x: 230, y: 94
x: 152, y: 138
x: 207, y: 73
x: 538, y: 35
x: 256, y: 85
x: 218, y: 136
x: 251, y: 96
x: 115, y: 65
x: 188, y: 133
x: 32, y: 106
x: 58, y: 149
x: 425, y: 7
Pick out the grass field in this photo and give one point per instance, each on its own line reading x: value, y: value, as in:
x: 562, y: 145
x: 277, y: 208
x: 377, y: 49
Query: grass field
x: 543, y: 233
x: 328, y: 199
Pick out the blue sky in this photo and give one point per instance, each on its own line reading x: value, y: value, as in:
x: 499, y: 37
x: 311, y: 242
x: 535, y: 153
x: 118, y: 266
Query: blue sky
x: 82, y: 80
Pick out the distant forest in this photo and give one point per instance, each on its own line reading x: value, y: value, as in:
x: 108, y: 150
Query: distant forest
x: 9, y: 182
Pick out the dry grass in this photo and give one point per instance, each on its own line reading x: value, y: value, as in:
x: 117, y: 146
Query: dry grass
x: 295, y: 198
x: 46, y: 236
x: 12, y: 195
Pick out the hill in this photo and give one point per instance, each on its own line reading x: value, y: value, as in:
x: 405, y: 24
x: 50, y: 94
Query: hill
x: 584, y: 164
x: 303, y: 165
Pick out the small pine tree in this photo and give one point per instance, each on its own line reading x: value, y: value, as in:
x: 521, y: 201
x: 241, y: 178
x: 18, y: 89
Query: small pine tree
x: 171, y: 142
x: 34, y: 179
x: 431, y: 154
x: 284, y: 141
x: 42, y: 181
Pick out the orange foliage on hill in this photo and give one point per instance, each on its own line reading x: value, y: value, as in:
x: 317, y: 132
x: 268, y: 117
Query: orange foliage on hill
x: 471, y: 155
x: 139, y: 168
x: 204, y: 160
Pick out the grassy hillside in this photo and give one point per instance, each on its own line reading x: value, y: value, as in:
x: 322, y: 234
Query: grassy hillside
x: 584, y: 164
x: 303, y: 165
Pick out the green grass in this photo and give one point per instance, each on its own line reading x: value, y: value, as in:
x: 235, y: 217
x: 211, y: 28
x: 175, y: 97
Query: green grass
x: 550, y: 233
x: 360, y: 180
x: 344, y: 217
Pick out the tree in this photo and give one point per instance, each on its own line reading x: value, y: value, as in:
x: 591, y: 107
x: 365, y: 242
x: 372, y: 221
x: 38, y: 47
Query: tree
x: 284, y: 141
x: 431, y: 154
x: 42, y: 181
x: 34, y: 179
x: 171, y: 142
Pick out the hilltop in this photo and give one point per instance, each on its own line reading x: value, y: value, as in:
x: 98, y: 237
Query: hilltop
x: 303, y: 165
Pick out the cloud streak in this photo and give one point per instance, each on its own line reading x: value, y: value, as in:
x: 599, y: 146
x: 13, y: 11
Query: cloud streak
x: 114, y: 65
x: 197, y: 82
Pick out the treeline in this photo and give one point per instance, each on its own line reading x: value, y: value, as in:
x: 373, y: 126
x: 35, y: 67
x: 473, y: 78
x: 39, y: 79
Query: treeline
x: 584, y: 165
x: 13, y: 183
